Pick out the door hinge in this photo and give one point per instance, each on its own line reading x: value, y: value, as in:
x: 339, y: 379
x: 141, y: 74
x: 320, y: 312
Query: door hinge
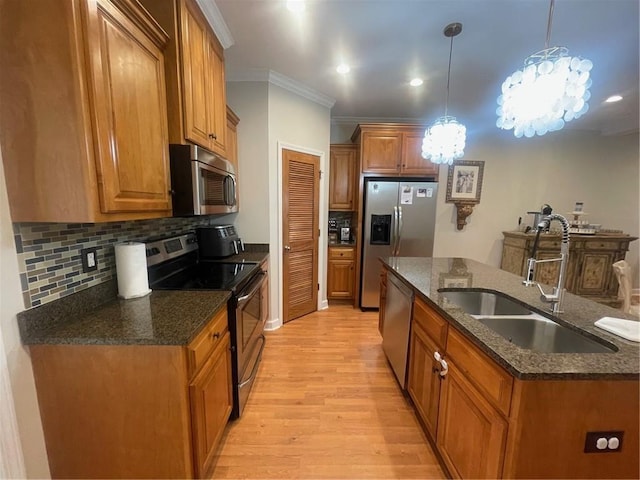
x: 320, y: 174
x: 318, y: 233
x: 318, y: 287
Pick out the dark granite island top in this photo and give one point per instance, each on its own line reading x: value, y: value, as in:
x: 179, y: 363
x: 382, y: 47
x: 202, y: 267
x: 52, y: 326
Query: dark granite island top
x: 96, y: 317
x: 427, y: 275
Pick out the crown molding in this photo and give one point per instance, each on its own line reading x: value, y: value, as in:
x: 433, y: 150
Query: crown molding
x: 214, y: 17
x: 280, y: 80
x: 351, y: 120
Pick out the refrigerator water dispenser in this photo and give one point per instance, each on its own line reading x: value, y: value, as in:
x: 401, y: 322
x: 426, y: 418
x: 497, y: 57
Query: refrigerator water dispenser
x: 380, y: 230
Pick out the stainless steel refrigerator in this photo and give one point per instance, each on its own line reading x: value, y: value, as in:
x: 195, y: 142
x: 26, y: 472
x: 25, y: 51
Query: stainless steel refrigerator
x: 399, y: 220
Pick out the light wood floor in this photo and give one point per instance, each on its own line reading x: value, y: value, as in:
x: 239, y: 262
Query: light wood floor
x: 326, y: 405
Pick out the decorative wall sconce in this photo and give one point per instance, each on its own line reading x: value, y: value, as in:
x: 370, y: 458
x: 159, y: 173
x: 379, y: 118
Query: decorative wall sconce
x: 464, y: 186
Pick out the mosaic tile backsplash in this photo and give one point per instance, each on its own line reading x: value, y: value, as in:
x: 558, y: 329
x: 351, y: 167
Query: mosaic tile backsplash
x: 49, y: 253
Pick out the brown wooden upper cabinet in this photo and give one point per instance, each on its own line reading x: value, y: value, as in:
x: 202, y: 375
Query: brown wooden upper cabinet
x: 392, y: 149
x: 195, y: 75
x: 343, y: 175
x: 83, y: 115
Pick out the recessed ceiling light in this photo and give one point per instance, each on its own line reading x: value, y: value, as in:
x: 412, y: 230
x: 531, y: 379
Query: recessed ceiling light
x: 416, y: 82
x: 296, y: 6
x: 343, y: 68
x: 614, y: 98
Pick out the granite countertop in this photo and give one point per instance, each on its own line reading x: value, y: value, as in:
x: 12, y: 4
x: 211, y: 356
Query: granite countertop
x: 427, y: 275
x: 88, y: 318
x: 350, y: 243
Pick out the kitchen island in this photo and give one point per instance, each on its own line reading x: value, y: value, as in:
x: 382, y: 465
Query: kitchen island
x: 493, y: 409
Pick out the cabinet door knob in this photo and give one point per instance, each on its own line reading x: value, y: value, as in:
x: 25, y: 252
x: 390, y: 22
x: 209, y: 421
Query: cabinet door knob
x: 215, y: 335
x: 213, y: 136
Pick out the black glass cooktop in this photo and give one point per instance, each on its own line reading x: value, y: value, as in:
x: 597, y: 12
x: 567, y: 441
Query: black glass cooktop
x: 208, y: 276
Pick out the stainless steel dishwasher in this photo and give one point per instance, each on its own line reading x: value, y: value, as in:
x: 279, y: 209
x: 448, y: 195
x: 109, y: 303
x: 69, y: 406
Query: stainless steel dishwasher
x: 395, y: 330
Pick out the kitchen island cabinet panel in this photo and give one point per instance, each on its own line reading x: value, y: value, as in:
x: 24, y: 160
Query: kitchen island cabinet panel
x: 563, y: 413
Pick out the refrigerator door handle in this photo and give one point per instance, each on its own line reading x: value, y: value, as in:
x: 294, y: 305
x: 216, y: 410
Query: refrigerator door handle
x: 394, y: 231
x: 399, y: 231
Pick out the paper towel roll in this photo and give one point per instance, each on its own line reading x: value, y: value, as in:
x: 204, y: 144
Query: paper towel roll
x: 131, y: 269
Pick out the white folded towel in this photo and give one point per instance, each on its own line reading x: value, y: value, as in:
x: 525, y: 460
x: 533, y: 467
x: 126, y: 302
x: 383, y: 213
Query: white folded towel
x: 629, y: 329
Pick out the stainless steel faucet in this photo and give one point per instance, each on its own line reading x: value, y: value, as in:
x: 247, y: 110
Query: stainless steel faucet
x: 557, y: 295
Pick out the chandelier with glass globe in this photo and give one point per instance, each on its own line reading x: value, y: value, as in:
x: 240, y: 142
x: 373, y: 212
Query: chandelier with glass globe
x: 550, y: 90
x: 444, y: 141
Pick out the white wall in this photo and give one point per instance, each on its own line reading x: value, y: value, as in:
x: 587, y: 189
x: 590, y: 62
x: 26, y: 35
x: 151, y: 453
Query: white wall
x: 271, y: 116
x: 522, y: 174
x: 250, y: 101
x: 17, y: 357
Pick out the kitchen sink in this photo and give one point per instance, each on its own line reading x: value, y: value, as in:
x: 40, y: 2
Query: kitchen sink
x: 542, y: 335
x: 484, y: 303
x: 521, y: 326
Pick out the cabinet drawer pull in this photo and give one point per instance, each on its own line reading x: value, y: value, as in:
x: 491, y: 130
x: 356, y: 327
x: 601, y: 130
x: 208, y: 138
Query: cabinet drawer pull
x: 213, y: 136
x: 445, y: 368
x: 215, y: 335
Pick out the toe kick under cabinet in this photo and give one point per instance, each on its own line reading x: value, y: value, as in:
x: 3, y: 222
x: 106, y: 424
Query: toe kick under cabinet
x: 589, y: 271
x: 135, y: 411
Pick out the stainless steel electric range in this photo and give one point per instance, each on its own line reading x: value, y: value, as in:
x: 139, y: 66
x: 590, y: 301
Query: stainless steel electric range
x: 176, y: 264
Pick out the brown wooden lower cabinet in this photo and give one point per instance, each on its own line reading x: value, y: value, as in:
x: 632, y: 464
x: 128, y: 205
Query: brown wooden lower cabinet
x: 135, y: 411
x: 485, y: 423
x: 424, y: 379
x: 471, y: 432
x: 341, y: 273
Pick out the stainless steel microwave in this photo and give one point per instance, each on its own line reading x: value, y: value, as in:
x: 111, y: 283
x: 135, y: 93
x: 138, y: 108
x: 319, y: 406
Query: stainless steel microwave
x: 201, y: 183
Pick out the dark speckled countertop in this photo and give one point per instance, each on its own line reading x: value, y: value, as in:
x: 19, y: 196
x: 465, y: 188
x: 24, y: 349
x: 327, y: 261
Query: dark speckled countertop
x: 161, y: 318
x: 96, y: 316
x: 427, y: 275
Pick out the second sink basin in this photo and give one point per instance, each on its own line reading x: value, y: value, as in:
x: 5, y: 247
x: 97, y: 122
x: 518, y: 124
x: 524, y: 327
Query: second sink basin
x: 542, y: 335
x: 484, y: 303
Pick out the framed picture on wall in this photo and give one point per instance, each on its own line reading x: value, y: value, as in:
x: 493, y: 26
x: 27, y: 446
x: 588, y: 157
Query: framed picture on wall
x: 464, y: 181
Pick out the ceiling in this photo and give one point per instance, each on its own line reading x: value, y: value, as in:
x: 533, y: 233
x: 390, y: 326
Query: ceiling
x: 388, y: 42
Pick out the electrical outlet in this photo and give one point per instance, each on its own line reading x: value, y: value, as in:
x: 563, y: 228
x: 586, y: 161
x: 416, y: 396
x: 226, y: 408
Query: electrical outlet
x: 603, y: 442
x: 89, y: 257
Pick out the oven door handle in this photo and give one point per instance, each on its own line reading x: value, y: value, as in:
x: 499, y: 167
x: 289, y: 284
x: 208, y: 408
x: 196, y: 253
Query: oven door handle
x: 254, y: 371
x: 254, y: 288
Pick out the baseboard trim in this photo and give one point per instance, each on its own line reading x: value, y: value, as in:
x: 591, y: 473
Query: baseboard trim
x: 273, y: 324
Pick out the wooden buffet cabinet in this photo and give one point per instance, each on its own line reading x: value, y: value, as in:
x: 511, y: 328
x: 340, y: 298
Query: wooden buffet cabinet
x: 83, y: 112
x: 135, y: 411
x: 589, y: 271
x: 485, y: 423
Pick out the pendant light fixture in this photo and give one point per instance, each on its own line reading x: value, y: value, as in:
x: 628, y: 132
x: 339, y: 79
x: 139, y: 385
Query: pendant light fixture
x: 444, y: 140
x: 551, y: 89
